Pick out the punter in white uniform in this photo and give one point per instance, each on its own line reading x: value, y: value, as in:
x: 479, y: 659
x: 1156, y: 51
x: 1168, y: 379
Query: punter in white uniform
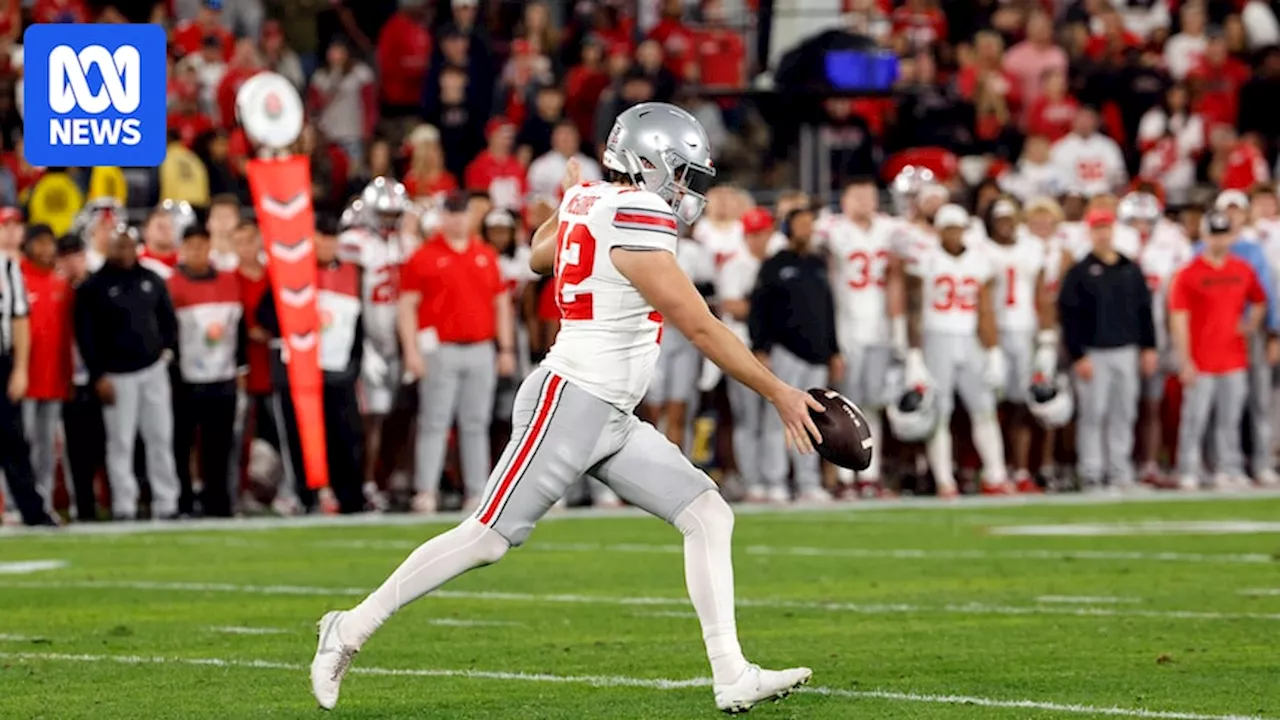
x: 611, y: 247
x: 374, y: 243
x: 955, y: 347
x: 1025, y: 328
x: 870, y: 325
x: 1165, y: 249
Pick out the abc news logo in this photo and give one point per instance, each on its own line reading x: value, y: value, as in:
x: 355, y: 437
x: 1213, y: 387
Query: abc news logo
x: 121, y: 90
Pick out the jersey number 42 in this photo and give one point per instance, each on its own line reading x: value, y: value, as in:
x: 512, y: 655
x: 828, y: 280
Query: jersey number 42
x: 575, y: 259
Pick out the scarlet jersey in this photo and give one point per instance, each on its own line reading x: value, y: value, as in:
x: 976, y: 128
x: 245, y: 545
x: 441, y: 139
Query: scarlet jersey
x: 860, y: 268
x: 721, y: 241
x: 209, y: 314
x: 380, y: 260
x: 608, y: 339
x: 951, y: 284
x: 1016, y: 266
x: 1162, y: 255
x: 49, y: 299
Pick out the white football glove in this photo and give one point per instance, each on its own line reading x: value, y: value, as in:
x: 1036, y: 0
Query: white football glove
x: 373, y: 368
x: 996, y: 370
x: 916, y: 373
x: 1045, y: 361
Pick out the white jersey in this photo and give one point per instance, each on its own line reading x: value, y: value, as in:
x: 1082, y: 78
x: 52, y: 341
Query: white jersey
x: 608, y: 338
x: 515, y: 270
x: 1268, y: 234
x: 1163, y: 254
x: 1054, y: 246
x: 735, y: 280
x: 860, y: 270
x: 1016, y: 266
x: 380, y: 283
x: 721, y: 241
x: 951, y: 284
x: 1092, y: 165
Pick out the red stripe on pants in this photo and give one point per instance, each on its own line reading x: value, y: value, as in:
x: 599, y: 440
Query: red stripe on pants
x: 526, y: 449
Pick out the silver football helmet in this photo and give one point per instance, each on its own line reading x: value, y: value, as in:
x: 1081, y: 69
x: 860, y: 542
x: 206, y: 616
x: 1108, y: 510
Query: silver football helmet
x: 664, y: 150
x: 98, y: 210
x: 1139, y: 207
x: 184, y: 216
x: 356, y: 215
x: 385, y: 201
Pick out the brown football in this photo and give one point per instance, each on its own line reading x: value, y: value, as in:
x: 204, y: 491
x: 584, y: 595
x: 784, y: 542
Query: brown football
x: 846, y: 438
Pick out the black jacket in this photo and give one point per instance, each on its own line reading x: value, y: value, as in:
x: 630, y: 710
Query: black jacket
x: 124, y: 320
x: 1105, y: 306
x: 792, y: 307
x: 270, y: 321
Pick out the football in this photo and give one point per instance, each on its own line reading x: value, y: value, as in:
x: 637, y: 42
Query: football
x: 846, y: 438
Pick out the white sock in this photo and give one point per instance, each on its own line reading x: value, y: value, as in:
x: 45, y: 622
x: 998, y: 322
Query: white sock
x: 435, y: 562
x: 938, y: 450
x: 707, y: 524
x: 876, y: 427
x: 989, y: 443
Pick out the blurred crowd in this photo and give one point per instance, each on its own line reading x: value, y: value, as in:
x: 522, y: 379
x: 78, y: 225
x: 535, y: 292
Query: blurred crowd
x: 1054, y: 121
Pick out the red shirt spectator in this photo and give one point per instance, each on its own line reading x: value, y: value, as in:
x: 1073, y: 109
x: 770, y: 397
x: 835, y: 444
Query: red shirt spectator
x: 940, y: 161
x: 1245, y: 167
x: 235, y: 76
x: 722, y: 58
x: 457, y: 288
x: 189, y: 35
x: 426, y: 184
x: 1114, y: 39
x: 678, y: 41
x: 1218, y: 78
x: 1052, y: 116
x: 49, y: 367
x: 60, y: 11
x: 1214, y: 298
x: 918, y: 25
x: 11, y: 19
x: 252, y: 291
x: 496, y: 170
x: 404, y: 47
x: 189, y: 125
x: 583, y: 85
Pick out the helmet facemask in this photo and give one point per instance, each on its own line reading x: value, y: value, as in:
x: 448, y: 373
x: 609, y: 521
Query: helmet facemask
x: 682, y: 184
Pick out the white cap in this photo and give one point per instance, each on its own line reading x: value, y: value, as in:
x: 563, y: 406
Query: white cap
x: 499, y: 218
x: 1228, y: 198
x: 951, y: 215
x: 424, y: 133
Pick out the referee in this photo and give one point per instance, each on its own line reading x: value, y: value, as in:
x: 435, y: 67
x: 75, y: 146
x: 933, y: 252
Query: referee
x: 15, y: 351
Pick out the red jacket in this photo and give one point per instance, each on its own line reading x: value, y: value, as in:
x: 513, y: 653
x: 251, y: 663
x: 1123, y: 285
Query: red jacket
x: 189, y: 126
x: 1052, y: 118
x: 259, y: 356
x: 227, y: 89
x: 678, y: 44
x: 404, y: 47
x: 48, y: 293
x: 1219, y: 90
x: 189, y: 37
x: 503, y: 179
x: 1245, y: 167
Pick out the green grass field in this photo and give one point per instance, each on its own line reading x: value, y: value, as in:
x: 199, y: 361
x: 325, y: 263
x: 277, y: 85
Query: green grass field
x: 905, y: 611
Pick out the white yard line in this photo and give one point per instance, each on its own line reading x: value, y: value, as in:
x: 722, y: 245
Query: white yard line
x: 244, y: 630
x: 835, y: 607
x: 668, y: 614
x: 1154, y: 527
x: 1087, y: 599
x: 456, y: 622
x: 7, y: 637
x: 1261, y: 592
x: 844, y: 509
x: 647, y: 683
x: 26, y: 567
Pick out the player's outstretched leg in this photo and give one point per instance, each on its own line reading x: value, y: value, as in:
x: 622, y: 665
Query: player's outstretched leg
x: 435, y: 562
x: 707, y: 524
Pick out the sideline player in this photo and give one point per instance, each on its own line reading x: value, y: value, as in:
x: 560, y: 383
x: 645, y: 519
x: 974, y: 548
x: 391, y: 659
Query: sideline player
x: 374, y: 243
x: 870, y: 325
x: 955, y: 347
x: 611, y: 246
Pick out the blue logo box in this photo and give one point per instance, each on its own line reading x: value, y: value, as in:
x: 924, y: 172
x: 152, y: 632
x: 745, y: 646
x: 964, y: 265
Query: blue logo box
x: 94, y: 95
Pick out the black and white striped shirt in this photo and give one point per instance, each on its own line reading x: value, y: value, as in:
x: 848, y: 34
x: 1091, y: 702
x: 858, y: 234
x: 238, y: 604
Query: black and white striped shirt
x: 13, y: 301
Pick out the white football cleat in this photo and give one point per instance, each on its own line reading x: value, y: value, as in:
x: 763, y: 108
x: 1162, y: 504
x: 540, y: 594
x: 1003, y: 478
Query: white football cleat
x: 777, y: 495
x: 333, y: 658
x: 1188, y: 482
x: 1266, y: 477
x: 755, y: 685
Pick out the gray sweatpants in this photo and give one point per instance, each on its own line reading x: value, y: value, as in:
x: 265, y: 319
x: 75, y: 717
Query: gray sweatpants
x: 1106, y: 413
x: 773, y: 443
x: 562, y: 432
x: 1223, y: 398
x: 1259, y: 401
x: 143, y: 405
x: 676, y: 377
x: 460, y: 383
x: 41, y: 419
x: 748, y: 414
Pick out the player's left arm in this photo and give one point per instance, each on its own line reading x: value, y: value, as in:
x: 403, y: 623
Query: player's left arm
x: 542, y: 259
x: 1046, y: 308
x: 988, y: 334
x: 895, y: 290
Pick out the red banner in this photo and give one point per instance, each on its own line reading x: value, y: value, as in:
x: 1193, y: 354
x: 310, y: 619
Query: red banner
x: 282, y: 197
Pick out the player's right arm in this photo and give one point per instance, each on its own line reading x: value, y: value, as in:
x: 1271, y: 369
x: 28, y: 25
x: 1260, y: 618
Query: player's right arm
x: 663, y: 284
x: 914, y: 300
x: 542, y: 259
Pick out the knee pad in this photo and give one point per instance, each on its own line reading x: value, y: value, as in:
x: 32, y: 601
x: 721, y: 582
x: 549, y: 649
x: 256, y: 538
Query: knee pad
x: 708, y: 513
x: 484, y: 544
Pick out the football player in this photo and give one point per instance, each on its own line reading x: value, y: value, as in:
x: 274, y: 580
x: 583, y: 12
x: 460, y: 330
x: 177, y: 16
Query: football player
x: 1024, y: 325
x: 611, y: 247
x: 955, y: 347
x: 870, y: 325
x: 1164, y: 250
x: 372, y: 240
